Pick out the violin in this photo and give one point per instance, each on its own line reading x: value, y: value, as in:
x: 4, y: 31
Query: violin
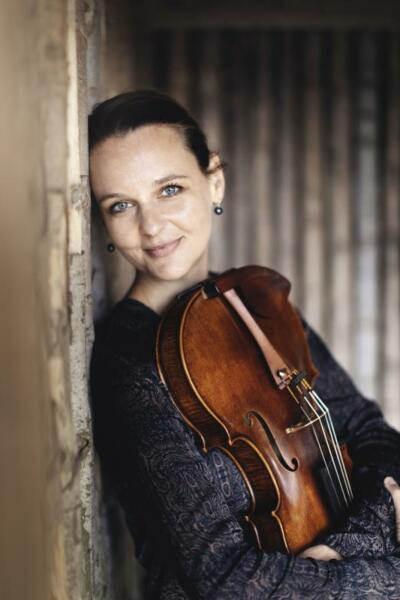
x: 233, y: 354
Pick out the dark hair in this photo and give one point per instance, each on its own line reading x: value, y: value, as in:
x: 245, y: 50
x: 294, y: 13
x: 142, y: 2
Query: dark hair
x: 125, y: 112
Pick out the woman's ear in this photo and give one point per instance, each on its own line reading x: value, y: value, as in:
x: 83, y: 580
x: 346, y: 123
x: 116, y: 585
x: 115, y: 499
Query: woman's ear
x: 216, y: 178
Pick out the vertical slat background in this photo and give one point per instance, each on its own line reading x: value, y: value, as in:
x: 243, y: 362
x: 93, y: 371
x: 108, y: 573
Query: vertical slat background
x: 391, y: 235
x: 309, y: 125
x: 340, y: 327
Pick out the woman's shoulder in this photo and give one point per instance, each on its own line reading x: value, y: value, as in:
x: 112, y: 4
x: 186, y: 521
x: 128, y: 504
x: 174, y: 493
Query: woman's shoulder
x: 127, y: 332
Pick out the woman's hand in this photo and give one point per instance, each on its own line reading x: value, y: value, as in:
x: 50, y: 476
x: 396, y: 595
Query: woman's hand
x: 394, y: 489
x: 324, y: 552
x: 320, y: 552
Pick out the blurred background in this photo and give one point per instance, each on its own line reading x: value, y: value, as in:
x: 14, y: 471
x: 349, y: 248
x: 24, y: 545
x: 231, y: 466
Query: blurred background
x: 302, y: 102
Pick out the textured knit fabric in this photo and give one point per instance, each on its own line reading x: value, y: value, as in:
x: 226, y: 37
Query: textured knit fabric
x: 184, y: 508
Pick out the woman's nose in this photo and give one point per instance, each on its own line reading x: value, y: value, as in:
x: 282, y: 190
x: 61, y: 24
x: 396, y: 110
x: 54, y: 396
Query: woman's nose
x: 151, y: 221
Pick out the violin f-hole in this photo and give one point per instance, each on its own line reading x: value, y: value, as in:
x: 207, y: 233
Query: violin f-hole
x: 249, y: 421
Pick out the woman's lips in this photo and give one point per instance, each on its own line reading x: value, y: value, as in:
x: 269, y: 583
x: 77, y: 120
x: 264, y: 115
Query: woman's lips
x: 164, y: 250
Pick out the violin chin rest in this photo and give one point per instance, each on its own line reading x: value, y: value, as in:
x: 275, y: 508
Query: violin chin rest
x: 265, y: 293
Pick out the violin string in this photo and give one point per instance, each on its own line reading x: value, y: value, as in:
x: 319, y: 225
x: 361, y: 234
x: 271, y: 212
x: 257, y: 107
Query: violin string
x: 334, y: 461
x: 318, y: 443
x: 328, y: 468
x: 336, y: 447
x: 324, y: 411
x: 336, y: 443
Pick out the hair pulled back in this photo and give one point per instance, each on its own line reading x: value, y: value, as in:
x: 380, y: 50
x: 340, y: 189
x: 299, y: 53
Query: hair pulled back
x: 128, y: 111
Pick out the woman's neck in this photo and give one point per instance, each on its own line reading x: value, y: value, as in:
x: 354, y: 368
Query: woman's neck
x: 159, y: 294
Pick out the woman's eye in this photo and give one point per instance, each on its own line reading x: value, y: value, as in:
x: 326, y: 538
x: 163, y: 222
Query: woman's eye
x: 171, y: 189
x: 118, y: 207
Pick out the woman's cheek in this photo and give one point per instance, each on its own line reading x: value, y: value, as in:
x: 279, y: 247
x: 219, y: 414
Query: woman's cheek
x: 183, y: 209
x: 122, y: 226
x: 197, y: 212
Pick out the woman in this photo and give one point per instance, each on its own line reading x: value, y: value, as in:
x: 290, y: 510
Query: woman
x: 158, y: 188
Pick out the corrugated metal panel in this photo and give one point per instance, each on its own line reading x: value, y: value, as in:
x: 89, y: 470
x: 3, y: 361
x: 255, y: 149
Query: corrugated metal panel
x: 309, y: 126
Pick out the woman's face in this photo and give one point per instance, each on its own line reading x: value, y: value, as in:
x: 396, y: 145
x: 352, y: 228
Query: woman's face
x: 155, y: 201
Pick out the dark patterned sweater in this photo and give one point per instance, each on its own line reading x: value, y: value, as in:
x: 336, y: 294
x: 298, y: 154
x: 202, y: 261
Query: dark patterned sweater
x: 184, y: 507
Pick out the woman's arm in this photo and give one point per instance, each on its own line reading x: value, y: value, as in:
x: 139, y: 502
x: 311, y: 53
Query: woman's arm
x: 394, y: 489
x: 324, y: 552
x: 138, y: 426
x: 373, y: 443
x: 375, y: 450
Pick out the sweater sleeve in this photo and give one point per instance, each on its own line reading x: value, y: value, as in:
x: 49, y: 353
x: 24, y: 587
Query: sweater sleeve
x: 139, y: 427
x: 373, y: 443
x: 375, y: 449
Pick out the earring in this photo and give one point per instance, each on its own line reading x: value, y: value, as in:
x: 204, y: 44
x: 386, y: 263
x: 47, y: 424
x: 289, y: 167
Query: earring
x: 218, y: 209
x: 110, y: 247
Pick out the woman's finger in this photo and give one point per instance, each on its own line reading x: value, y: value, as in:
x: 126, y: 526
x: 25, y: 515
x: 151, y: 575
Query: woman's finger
x: 320, y: 552
x: 394, y: 489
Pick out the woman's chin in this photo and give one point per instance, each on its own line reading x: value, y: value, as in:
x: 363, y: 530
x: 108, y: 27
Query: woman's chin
x: 171, y: 272
x: 175, y: 271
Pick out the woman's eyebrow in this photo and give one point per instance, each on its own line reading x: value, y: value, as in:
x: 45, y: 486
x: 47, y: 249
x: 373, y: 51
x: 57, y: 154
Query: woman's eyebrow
x: 171, y: 176
x: 108, y: 196
x: 155, y: 182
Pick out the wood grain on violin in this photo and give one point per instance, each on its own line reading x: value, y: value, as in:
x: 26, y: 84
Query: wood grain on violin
x: 233, y: 354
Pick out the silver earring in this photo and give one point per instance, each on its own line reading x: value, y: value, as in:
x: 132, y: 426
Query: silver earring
x: 110, y: 247
x: 218, y: 209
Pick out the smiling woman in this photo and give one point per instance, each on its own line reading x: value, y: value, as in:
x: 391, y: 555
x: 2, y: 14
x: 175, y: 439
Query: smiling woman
x: 156, y: 184
x: 156, y: 199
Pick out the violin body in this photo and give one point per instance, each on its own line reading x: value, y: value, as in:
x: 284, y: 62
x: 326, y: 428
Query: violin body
x: 228, y: 393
